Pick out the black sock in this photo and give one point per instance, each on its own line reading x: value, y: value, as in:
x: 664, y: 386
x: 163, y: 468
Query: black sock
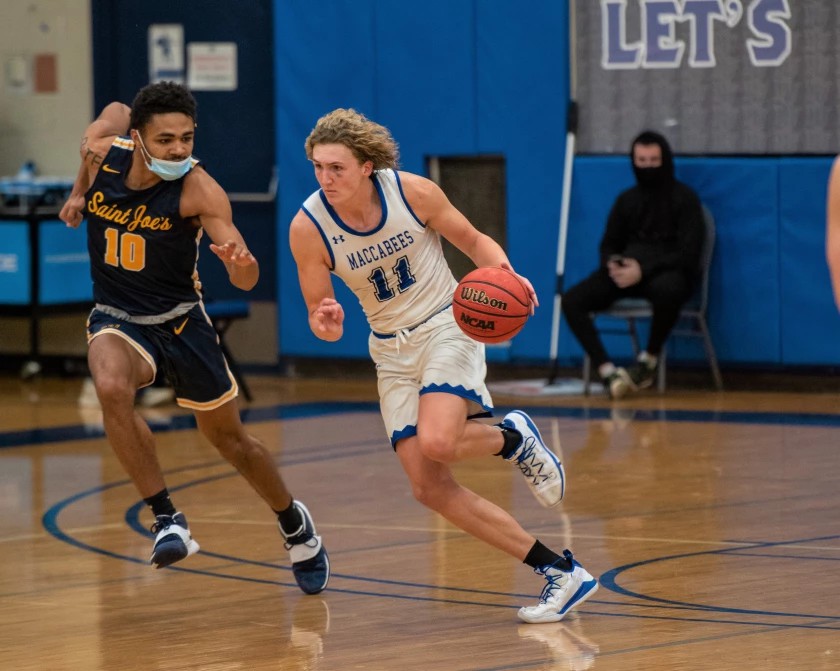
x: 512, y: 439
x: 539, y: 555
x: 160, y: 503
x: 291, y: 520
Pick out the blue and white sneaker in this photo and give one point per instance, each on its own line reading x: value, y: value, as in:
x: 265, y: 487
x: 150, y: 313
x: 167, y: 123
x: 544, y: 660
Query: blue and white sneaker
x: 540, y: 466
x: 563, y: 591
x: 310, y: 563
x: 173, y: 541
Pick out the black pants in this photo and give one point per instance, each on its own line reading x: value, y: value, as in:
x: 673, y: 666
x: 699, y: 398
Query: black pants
x: 667, y: 291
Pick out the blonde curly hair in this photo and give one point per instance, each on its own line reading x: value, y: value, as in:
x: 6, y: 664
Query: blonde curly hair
x: 368, y: 140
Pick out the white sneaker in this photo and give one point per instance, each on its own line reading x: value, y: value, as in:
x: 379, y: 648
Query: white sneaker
x: 87, y: 396
x: 310, y: 562
x: 563, y: 591
x: 618, y: 383
x: 154, y: 396
x: 540, y: 466
x: 173, y: 541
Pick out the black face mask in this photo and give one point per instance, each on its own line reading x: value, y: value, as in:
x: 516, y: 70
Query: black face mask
x: 652, y: 178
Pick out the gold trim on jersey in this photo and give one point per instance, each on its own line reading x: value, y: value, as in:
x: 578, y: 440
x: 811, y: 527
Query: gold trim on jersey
x: 232, y: 393
x: 123, y: 143
x: 134, y: 344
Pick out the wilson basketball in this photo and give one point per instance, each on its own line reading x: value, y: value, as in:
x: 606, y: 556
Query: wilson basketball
x: 491, y: 305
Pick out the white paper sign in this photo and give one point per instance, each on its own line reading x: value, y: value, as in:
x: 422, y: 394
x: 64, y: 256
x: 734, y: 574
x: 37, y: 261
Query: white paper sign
x: 166, y: 52
x: 212, y: 66
x: 18, y: 79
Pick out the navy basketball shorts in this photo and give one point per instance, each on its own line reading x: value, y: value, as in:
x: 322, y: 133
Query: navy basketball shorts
x: 185, y: 349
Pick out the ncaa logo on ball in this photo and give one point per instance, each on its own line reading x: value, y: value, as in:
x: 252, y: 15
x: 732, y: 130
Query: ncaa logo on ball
x: 475, y: 322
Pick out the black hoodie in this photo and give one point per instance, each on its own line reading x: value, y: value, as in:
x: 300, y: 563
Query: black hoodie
x: 658, y: 222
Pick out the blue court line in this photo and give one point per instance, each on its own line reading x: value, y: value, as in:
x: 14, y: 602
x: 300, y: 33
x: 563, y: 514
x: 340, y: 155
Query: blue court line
x: 59, y: 434
x: 607, y: 580
x: 318, y: 409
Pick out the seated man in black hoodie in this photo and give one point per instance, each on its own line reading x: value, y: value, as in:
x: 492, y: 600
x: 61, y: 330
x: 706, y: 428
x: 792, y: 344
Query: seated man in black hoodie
x: 651, y: 249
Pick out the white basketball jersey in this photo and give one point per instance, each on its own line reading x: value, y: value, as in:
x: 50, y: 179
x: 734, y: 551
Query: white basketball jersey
x: 397, y: 270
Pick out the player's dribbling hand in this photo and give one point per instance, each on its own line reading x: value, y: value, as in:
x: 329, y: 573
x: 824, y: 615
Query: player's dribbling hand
x: 71, y: 211
x: 328, y: 317
x: 535, y: 303
x: 233, y: 252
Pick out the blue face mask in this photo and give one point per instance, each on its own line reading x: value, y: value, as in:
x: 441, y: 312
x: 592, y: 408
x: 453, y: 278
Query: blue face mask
x: 167, y: 170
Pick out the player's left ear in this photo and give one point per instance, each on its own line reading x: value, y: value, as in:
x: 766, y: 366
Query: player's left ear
x: 367, y: 168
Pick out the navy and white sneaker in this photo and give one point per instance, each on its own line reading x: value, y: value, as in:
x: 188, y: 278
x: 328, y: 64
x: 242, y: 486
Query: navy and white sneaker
x: 173, y: 541
x: 563, y: 591
x: 540, y: 466
x: 310, y: 563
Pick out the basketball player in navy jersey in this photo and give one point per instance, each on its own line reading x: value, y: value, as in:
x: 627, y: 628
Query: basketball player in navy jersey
x: 379, y: 230
x: 147, y: 202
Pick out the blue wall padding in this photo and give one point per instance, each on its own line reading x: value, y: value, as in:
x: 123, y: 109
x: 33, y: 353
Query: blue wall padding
x: 742, y: 195
x: 522, y: 85
x: 15, y: 264
x: 235, y: 136
x: 476, y: 77
x: 447, y: 81
x: 424, y: 78
x: 809, y: 320
x: 338, y: 71
x: 65, y: 264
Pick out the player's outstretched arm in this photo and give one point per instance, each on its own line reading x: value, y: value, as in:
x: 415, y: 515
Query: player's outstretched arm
x: 202, y: 197
x: 434, y: 209
x: 326, y: 316
x: 97, y: 139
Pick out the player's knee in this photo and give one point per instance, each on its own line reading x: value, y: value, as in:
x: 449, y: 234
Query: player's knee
x: 112, y: 390
x: 232, y: 445
x: 437, y: 446
x: 430, y: 493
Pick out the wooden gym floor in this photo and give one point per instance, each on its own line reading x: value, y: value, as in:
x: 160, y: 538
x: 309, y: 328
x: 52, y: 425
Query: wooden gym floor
x: 710, y: 519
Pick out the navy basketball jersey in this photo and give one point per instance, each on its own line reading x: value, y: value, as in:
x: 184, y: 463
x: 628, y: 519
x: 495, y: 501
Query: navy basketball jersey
x: 143, y: 254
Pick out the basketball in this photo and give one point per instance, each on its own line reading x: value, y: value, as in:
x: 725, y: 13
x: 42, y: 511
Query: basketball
x: 491, y: 305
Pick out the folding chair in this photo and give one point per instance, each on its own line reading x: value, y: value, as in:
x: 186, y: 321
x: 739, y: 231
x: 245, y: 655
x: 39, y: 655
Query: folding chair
x: 222, y: 314
x: 692, y: 322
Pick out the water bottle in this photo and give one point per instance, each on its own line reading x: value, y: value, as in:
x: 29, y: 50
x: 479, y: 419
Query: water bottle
x: 27, y: 171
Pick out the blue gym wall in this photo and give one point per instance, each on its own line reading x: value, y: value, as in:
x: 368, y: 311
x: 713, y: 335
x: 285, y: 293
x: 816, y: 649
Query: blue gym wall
x: 235, y: 136
x: 474, y: 77
x: 460, y: 77
x: 485, y: 76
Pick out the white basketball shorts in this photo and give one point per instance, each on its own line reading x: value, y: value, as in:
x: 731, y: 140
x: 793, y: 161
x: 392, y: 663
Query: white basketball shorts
x: 435, y: 356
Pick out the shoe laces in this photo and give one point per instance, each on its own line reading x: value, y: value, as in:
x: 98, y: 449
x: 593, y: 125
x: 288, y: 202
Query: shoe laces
x: 529, y: 462
x: 162, y: 522
x: 555, y: 582
x: 300, y: 536
x: 305, y: 539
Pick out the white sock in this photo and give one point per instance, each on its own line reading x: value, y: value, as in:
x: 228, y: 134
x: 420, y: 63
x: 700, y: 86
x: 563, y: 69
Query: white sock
x: 606, y: 369
x: 647, y: 358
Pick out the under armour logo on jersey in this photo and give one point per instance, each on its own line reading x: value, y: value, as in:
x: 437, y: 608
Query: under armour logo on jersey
x: 337, y: 239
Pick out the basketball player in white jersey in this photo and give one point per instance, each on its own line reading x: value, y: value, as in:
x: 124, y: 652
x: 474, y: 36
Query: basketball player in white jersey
x: 379, y: 231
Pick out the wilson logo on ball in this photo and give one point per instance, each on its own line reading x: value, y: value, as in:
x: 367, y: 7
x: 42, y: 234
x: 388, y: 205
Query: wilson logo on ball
x: 480, y: 297
x: 491, y: 304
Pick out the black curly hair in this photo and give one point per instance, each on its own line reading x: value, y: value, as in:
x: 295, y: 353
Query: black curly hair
x: 161, y: 98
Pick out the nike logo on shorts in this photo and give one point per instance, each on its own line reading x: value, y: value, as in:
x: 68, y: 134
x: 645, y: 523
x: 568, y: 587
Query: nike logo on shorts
x: 180, y: 328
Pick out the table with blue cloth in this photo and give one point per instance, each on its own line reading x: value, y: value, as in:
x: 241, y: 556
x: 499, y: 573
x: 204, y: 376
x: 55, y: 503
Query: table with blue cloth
x: 44, y: 265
